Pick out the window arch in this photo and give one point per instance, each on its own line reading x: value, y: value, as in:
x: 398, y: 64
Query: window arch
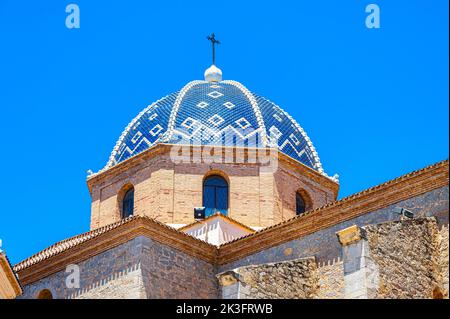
x: 127, y: 205
x: 215, y: 195
x: 302, y: 202
x: 45, y: 294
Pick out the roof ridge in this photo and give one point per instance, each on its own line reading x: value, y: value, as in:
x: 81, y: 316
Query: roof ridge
x: 217, y: 214
x: 343, y: 200
x: 68, y: 243
x: 176, y: 106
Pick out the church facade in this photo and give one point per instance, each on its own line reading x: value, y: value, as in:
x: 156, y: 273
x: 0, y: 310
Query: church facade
x: 216, y: 192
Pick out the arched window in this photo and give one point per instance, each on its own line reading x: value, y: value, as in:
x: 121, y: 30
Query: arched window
x: 215, y: 195
x: 300, y: 205
x: 45, y: 294
x: 128, y: 203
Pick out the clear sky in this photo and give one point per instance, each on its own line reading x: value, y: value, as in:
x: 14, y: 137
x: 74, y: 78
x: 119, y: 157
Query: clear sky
x: 373, y: 101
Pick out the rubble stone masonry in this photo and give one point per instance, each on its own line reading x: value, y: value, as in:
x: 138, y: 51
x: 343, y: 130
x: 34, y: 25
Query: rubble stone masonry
x: 443, y: 261
x: 331, y: 280
x: 296, y: 279
x: 407, y: 257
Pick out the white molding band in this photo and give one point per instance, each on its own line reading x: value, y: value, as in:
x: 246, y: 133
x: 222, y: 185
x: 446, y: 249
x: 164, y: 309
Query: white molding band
x: 111, y: 161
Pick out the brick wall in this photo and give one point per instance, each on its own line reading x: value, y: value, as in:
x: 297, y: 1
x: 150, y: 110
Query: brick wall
x: 169, y: 192
x: 287, y: 182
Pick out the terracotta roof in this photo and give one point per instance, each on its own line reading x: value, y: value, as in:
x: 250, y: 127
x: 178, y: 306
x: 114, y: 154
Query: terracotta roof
x: 66, y: 244
x: 218, y: 214
x: 347, y: 199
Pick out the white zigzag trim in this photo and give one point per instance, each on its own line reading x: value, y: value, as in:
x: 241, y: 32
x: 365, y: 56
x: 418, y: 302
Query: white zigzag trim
x: 317, y: 163
x: 111, y: 161
x: 217, y: 133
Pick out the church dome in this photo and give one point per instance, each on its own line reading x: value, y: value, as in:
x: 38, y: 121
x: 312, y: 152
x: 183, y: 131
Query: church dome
x: 203, y: 112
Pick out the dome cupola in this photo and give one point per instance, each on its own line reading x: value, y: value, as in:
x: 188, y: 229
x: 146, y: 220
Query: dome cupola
x: 203, y: 112
x: 213, y: 74
x: 208, y: 112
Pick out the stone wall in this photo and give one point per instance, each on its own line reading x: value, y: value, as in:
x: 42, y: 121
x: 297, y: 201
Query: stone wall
x: 407, y: 258
x: 100, y: 273
x: 331, y: 279
x: 410, y: 259
x: 140, y: 268
x: 296, y: 279
x: 127, y: 284
x: 324, y: 245
x: 443, y: 261
x: 406, y: 255
x: 168, y: 273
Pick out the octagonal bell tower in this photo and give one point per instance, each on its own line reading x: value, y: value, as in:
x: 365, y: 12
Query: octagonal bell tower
x: 212, y: 144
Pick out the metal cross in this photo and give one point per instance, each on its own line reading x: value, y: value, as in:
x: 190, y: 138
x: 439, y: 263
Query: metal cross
x: 213, y: 40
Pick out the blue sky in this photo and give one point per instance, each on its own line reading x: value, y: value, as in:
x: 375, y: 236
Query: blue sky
x: 373, y: 101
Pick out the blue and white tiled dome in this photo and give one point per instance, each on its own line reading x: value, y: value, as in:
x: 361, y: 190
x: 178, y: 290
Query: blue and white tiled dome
x: 202, y: 112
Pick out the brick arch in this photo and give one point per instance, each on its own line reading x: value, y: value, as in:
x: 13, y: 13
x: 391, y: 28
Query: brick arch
x: 307, y: 199
x: 216, y: 172
x: 120, y: 195
x: 44, y: 294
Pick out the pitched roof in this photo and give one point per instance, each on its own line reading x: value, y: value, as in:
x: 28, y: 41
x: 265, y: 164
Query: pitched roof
x: 69, y: 243
x: 217, y: 215
x: 11, y: 276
